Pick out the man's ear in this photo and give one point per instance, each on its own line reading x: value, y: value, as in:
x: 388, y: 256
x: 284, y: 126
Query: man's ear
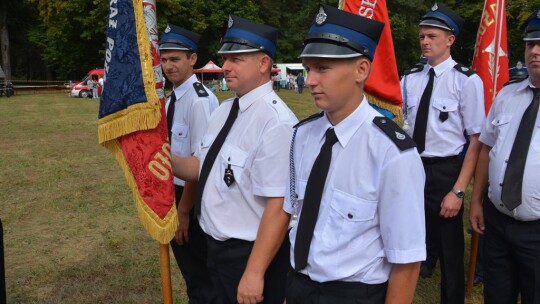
x: 363, y: 68
x: 193, y: 59
x: 451, y: 39
x: 265, y: 63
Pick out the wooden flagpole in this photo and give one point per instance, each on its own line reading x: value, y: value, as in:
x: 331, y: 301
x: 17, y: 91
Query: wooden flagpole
x: 164, y: 259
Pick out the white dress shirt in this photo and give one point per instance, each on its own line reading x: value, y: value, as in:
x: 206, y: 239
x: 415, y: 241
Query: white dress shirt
x: 461, y: 96
x: 499, y: 133
x: 372, y: 207
x: 191, y: 116
x: 257, y: 150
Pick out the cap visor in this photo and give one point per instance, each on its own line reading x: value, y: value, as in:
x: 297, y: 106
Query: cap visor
x: 229, y: 48
x: 172, y: 46
x: 532, y: 36
x: 328, y: 50
x: 435, y: 23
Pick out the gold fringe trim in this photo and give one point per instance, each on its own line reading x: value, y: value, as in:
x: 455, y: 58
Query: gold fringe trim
x: 396, y: 110
x: 136, y: 118
x: 161, y: 230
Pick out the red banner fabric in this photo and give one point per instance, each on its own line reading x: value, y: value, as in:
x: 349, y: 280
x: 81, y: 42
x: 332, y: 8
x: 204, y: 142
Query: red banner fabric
x: 132, y: 123
x: 383, y: 81
x: 491, y: 50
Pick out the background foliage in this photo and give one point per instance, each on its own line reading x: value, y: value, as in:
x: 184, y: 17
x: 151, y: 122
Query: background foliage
x: 64, y: 39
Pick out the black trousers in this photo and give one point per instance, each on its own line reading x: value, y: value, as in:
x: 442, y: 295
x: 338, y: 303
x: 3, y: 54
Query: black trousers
x: 441, y: 175
x: 511, y: 258
x: 302, y: 290
x: 227, y: 261
x: 191, y: 259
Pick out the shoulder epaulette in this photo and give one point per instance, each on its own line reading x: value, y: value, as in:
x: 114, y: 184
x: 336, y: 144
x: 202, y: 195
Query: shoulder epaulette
x: 417, y: 68
x: 199, y: 88
x: 395, y: 133
x: 465, y: 70
x: 308, y: 119
x: 514, y: 81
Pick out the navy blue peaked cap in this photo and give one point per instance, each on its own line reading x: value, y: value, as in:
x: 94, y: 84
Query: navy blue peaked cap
x: 442, y: 17
x: 338, y: 34
x: 178, y: 38
x: 532, y: 27
x: 245, y: 36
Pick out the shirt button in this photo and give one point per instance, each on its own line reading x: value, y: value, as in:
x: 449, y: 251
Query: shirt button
x: 350, y: 216
x: 506, y: 161
x: 501, y: 205
x: 383, y: 121
x: 179, y: 134
x: 501, y: 184
x: 444, y: 108
x: 274, y: 102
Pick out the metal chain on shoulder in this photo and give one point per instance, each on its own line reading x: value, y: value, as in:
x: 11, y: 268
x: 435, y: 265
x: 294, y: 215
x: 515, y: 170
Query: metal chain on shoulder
x: 292, y: 194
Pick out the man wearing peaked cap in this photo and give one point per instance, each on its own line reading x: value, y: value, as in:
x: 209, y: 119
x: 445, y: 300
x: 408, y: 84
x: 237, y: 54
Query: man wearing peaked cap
x: 509, y: 216
x: 444, y: 101
x: 360, y: 233
x: 243, y: 162
x: 188, y: 112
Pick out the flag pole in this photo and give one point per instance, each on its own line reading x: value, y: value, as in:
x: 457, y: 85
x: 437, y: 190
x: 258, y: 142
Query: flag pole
x: 164, y: 259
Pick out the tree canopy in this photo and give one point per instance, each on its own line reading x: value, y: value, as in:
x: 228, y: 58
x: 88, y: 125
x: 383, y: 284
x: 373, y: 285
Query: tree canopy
x: 64, y: 39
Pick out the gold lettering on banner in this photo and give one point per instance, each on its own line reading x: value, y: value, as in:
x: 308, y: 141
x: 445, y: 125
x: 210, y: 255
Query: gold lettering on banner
x: 161, y: 165
x: 367, y: 7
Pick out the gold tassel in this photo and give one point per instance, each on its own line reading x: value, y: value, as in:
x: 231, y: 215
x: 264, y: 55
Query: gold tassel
x: 396, y: 110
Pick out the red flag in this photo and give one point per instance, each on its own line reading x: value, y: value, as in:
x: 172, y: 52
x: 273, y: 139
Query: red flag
x: 383, y: 82
x: 132, y: 121
x: 491, y: 50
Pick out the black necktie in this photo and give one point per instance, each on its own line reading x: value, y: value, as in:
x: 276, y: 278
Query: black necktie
x: 170, y: 113
x: 213, y: 152
x: 513, y: 177
x: 312, y: 201
x: 420, y: 125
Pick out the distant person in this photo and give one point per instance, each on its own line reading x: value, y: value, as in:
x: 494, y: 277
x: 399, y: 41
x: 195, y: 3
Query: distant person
x: 300, y: 82
x: 100, y: 81
x: 278, y: 82
x: 90, y: 83
x: 95, y: 94
x: 188, y: 112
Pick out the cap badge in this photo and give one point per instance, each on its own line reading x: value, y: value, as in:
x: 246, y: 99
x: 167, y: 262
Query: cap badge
x: 167, y: 29
x: 230, y: 22
x: 435, y: 7
x: 400, y: 136
x: 321, y: 17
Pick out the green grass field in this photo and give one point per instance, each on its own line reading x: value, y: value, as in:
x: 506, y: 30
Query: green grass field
x: 72, y: 234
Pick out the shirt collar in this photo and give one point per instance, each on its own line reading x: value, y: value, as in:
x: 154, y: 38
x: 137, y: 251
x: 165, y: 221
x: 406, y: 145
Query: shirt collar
x: 184, y: 87
x: 441, y: 67
x: 248, y: 99
x: 347, y: 127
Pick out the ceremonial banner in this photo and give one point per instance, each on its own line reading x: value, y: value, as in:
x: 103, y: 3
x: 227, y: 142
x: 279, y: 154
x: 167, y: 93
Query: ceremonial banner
x: 491, y: 50
x: 382, y: 87
x: 132, y: 121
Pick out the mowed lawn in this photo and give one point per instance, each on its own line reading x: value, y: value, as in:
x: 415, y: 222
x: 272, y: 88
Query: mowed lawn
x: 71, y: 231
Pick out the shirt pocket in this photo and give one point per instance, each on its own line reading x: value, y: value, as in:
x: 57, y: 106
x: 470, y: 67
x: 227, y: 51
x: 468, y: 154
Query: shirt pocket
x: 180, y: 139
x: 446, y: 112
x: 412, y: 108
x: 501, y: 123
x: 349, y: 218
x: 235, y: 159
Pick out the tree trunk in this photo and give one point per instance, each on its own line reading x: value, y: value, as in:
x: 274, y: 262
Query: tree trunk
x: 4, y: 41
